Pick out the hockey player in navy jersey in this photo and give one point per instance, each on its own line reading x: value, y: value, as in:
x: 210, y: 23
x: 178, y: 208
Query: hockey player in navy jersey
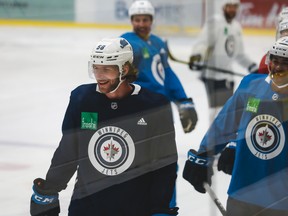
x: 151, y: 60
x: 256, y: 119
x: 119, y: 138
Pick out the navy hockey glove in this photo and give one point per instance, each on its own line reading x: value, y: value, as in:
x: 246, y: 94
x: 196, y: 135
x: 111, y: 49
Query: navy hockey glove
x: 226, y: 159
x: 198, y: 169
x: 44, y: 201
x: 188, y: 114
x: 166, y: 212
x: 194, y: 62
x: 253, y: 68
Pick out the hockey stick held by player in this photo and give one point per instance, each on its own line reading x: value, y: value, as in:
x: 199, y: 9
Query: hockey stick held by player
x: 219, y: 45
x: 200, y: 65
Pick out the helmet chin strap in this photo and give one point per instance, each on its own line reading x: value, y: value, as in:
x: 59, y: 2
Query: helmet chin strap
x: 280, y: 86
x: 120, y: 82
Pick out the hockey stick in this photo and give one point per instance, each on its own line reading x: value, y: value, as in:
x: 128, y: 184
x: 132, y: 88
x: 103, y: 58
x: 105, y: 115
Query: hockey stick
x: 202, y: 66
x: 215, y: 198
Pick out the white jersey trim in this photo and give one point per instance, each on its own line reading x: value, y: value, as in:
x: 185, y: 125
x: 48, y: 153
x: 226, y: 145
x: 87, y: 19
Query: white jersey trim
x: 137, y: 89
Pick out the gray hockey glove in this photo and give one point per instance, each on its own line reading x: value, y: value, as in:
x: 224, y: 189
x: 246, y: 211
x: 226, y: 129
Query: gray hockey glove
x: 198, y: 169
x: 166, y: 212
x: 188, y: 114
x: 44, y: 201
x: 226, y: 159
x: 194, y: 62
x: 253, y: 68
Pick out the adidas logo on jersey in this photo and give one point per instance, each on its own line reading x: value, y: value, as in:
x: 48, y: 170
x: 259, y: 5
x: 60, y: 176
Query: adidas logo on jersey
x: 141, y: 122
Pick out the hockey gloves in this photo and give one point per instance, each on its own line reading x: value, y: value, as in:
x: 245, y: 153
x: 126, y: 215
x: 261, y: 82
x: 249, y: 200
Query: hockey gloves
x: 188, y: 115
x: 194, y: 62
x: 198, y: 169
x: 44, y: 201
x: 166, y: 212
x: 226, y: 159
x: 253, y: 68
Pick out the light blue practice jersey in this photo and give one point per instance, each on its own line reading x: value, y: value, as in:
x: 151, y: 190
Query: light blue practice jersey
x: 151, y: 60
x: 255, y: 117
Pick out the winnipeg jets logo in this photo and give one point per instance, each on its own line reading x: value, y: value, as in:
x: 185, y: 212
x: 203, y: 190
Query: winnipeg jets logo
x: 230, y: 45
x: 111, y: 150
x: 158, y: 70
x: 265, y: 137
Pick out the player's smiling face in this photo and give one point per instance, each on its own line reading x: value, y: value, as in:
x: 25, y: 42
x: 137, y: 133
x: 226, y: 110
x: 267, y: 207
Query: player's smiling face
x: 142, y: 25
x: 107, y: 77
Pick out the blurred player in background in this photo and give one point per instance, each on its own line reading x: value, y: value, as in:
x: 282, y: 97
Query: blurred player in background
x: 281, y: 31
x: 256, y: 118
x: 219, y: 44
x: 150, y: 58
x: 282, y: 15
x: 119, y: 138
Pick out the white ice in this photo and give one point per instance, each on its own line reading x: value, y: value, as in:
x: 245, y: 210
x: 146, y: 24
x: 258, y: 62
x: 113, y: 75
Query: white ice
x: 39, y: 67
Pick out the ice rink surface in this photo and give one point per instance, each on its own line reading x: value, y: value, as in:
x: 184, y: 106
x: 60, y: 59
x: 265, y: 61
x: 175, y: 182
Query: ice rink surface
x: 39, y: 67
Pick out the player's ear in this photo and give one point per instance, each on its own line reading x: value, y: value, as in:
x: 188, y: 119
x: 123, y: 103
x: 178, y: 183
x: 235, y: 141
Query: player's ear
x: 125, y: 70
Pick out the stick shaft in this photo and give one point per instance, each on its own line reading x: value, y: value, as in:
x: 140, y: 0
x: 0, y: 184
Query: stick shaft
x: 215, y: 198
x: 221, y: 70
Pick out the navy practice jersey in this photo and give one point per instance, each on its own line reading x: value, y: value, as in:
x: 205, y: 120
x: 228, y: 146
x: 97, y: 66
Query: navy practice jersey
x: 256, y: 119
x: 110, y: 142
x: 151, y: 60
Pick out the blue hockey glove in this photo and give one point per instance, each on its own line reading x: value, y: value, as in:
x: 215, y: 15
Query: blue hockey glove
x: 253, y: 68
x: 166, y: 212
x: 44, y: 201
x: 226, y: 159
x: 194, y: 62
x: 198, y: 169
x: 188, y: 114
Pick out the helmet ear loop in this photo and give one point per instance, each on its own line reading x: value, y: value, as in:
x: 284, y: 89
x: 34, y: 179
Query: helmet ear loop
x: 267, y: 62
x: 123, y: 72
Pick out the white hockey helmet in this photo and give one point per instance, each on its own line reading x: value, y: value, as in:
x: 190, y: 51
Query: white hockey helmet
x: 141, y: 7
x: 225, y: 2
x: 283, y: 14
x: 111, y: 51
x: 283, y: 25
x: 280, y: 49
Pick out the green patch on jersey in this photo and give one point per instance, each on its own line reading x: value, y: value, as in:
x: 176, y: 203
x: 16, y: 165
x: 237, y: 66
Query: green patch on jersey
x: 145, y: 53
x: 225, y: 31
x: 89, y: 120
x: 252, y: 105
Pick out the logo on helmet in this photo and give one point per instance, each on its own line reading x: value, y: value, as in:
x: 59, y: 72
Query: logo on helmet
x: 123, y: 43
